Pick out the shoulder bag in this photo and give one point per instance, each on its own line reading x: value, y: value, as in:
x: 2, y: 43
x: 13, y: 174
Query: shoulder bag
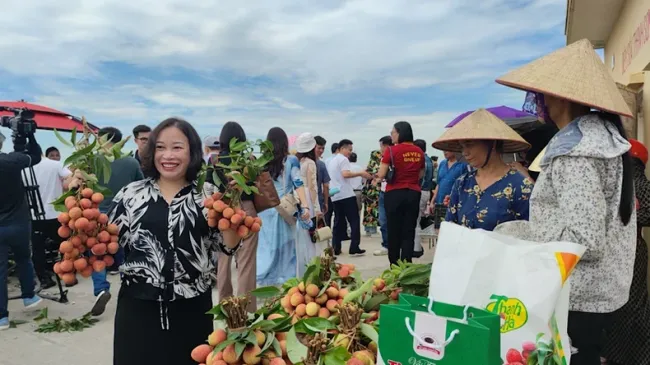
x: 288, y: 207
x: 390, y: 175
x: 268, y: 196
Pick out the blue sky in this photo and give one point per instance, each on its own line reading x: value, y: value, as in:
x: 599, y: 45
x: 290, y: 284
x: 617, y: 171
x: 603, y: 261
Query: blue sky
x: 341, y: 68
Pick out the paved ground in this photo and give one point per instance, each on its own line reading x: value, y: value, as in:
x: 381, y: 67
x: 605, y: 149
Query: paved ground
x: 21, y: 345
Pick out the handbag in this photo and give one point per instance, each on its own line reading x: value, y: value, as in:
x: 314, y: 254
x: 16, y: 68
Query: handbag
x: 390, y: 175
x: 288, y: 207
x: 268, y: 196
x: 320, y: 233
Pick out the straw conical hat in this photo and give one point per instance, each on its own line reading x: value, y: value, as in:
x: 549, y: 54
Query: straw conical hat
x: 536, y: 165
x: 574, y: 73
x: 481, y: 125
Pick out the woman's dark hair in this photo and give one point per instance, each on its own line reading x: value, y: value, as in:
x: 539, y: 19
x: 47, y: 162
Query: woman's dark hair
x: 353, y: 157
x: 386, y: 141
x: 422, y: 144
x: 405, y: 131
x: 229, y: 131
x: 320, y: 141
x: 311, y: 154
x: 335, y: 147
x: 114, y: 134
x: 280, y: 142
x: 627, y: 189
x: 50, y: 150
x: 196, y: 154
x: 498, y: 147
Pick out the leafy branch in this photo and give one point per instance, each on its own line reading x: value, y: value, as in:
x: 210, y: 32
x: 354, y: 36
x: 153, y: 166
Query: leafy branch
x: 63, y: 325
x: 92, y: 157
x: 243, y: 169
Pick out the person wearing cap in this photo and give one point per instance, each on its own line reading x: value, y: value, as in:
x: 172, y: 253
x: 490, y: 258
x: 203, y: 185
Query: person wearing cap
x: 628, y: 341
x: 211, y: 148
x: 493, y: 192
x: 305, y: 249
x: 585, y: 190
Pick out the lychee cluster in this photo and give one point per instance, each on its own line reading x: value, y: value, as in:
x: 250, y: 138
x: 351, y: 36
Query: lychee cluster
x: 311, y: 301
x: 90, y: 241
x: 224, y: 217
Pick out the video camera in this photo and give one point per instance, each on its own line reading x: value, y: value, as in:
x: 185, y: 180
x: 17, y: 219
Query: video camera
x: 22, y: 125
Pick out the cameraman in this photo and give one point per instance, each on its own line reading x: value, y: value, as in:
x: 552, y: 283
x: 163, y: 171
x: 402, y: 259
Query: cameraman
x: 15, y: 224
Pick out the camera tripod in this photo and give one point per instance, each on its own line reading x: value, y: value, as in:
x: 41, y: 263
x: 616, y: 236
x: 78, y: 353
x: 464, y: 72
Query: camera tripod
x: 35, y: 203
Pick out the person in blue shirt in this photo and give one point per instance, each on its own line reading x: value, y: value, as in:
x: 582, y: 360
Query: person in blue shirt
x: 449, y: 170
x: 493, y: 192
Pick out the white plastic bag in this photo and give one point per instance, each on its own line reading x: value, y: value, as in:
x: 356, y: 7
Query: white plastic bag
x: 525, y: 282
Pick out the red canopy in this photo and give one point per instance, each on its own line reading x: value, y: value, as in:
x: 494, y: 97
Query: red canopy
x: 46, y: 118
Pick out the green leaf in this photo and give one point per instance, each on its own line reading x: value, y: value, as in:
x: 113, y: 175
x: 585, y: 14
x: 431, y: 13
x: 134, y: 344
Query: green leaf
x: 217, y: 312
x: 41, y: 315
x: 80, y: 154
x: 290, y: 284
x: 375, y: 301
x: 73, y: 138
x: 102, y: 189
x: 282, y: 324
x: 265, y: 325
x: 217, y: 179
x: 239, y: 348
x: 370, y: 332
x: 201, y: 180
x: 336, y: 356
x: 353, y: 296
x: 276, y: 346
x: 295, y: 349
x: 61, y: 139
x: 313, y: 325
x: 106, y: 169
x: 251, y: 338
x: 240, y: 179
x: 254, y: 189
x: 270, y: 337
x: 324, y: 288
x: 61, y: 199
x: 238, y: 146
x: 223, y: 345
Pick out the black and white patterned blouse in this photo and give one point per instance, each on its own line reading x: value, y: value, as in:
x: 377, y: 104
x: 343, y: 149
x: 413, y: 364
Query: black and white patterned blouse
x: 170, y: 252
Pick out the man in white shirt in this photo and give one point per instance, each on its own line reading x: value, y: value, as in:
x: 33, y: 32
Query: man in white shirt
x: 356, y: 182
x: 330, y: 205
x: 345, y: 201
x: 51, y: 178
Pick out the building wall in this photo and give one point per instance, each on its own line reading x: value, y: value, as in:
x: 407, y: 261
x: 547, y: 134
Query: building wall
x: 627, y: 50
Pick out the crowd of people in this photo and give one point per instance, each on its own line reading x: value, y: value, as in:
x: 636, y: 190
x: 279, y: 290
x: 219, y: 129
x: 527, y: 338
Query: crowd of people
x: 581, y: 188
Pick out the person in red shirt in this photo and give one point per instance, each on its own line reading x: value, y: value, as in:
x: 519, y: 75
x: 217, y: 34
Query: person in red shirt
x: 402, y: 165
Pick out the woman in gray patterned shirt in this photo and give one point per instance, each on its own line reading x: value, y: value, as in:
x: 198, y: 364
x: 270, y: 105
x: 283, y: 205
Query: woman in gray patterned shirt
x: 585, y: 191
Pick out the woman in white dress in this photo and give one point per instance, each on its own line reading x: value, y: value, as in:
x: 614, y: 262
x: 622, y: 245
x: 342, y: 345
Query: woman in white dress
x: 306, y: 249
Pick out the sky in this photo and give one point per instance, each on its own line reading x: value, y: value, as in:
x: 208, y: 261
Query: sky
x: 337, y: 68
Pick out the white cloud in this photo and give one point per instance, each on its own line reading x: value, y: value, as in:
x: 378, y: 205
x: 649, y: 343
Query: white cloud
x: 324, y: 46
x: 312, y: 52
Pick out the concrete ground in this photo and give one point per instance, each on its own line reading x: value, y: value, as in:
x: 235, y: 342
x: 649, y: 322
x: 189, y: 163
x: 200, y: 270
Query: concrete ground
x: 21, y: 345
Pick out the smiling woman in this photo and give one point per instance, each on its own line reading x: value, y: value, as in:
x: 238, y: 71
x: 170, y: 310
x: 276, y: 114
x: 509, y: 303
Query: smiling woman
x: 170, y: 252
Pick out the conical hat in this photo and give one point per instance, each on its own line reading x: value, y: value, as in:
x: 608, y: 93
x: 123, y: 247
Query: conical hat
x: 575, y: 73
x: 481, y: 125
x: 536, y: 165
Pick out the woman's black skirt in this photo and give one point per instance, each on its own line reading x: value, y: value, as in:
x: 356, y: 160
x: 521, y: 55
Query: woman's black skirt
x: 139, y: 338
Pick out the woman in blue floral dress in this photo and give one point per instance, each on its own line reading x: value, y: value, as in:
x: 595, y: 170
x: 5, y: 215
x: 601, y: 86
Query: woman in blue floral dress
x: 493, y: 192
x: 276, y: 250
